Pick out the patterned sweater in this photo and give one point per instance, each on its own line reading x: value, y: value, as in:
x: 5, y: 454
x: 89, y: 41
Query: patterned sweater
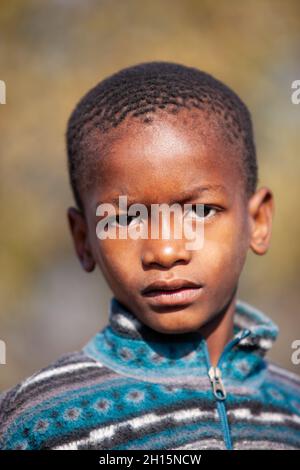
x: 131, y: 387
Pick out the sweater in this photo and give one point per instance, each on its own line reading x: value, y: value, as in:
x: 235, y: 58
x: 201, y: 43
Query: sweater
x: 131, y: 387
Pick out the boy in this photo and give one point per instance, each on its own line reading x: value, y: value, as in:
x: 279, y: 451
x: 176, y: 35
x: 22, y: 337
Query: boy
x: 181, y: 363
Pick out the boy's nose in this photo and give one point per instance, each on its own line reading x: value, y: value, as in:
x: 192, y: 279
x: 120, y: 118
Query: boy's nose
x: 165, y: 253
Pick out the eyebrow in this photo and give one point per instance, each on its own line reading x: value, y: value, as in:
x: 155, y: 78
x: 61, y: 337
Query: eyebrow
x: 182, y: 198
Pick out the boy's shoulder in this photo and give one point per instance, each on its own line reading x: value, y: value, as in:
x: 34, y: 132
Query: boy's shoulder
x: 281, y: 388
x: 283, y: 377
x: 64, y: 367
x: 47, y: 391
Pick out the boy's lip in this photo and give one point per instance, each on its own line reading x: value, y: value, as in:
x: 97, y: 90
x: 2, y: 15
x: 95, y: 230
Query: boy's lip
x: 169, y: 285
x: 175, y: 292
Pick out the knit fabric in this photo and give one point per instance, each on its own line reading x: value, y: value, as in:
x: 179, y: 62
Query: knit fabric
x: 131, y: 387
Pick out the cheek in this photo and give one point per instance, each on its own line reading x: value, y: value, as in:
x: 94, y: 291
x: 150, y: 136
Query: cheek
x: 118, y: 260
x: 224, y: 252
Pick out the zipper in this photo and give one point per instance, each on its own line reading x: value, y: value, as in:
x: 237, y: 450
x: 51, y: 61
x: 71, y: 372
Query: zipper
x: 218, y: 388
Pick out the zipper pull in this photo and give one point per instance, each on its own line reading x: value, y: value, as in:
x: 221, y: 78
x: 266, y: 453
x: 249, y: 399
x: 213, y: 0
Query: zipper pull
x: 215, y: 375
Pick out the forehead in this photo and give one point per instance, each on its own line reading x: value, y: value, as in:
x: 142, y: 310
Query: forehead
x: 171, y: 156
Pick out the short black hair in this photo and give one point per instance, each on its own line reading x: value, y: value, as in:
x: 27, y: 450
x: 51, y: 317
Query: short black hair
x: 145, y: 88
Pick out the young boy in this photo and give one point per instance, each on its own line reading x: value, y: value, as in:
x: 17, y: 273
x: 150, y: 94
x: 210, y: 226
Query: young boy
x: 181, y: 363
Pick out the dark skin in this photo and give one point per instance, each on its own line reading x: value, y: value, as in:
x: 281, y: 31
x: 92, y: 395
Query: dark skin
x: 159, y: 163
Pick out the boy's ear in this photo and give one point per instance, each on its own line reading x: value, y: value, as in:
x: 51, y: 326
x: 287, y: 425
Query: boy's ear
x: 79, y: 231
x: 261, y: 211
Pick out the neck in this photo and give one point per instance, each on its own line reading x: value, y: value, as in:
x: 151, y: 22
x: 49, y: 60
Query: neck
x: 219, y: 331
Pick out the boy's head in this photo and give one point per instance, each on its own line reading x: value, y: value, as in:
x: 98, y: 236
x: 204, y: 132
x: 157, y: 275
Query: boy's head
x: 161, y: 132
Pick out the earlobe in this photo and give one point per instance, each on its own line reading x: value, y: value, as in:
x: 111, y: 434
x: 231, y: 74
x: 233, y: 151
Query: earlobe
x: 261, y: 210
x: 79, y: 232
x: 88, y: 263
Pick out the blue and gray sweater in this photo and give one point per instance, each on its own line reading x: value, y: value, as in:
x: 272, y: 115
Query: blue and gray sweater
x: 131, y: 387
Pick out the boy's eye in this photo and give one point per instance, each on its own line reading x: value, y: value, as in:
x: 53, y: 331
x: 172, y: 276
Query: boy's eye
x: 208, y: 211
x: 126, y: 219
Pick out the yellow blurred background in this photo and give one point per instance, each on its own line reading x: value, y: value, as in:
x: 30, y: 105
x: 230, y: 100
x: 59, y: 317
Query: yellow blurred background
x: 51, y: 53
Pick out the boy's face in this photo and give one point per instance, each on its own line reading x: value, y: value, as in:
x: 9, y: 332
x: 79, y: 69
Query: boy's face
x: 163, y: 163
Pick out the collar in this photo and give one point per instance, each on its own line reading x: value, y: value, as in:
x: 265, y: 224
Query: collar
x: 132, y: 348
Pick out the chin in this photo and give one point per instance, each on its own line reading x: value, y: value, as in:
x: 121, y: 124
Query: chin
x: 169, y: 327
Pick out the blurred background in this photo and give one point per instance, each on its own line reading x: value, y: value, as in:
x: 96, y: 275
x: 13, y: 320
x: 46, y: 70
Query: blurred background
x: 51, y: 53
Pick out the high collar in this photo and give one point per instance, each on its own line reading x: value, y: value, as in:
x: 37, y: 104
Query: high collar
x: 132, y: 348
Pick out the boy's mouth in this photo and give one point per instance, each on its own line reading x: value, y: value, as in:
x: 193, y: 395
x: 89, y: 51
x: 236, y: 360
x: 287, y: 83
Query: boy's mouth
x: 175, y: 292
